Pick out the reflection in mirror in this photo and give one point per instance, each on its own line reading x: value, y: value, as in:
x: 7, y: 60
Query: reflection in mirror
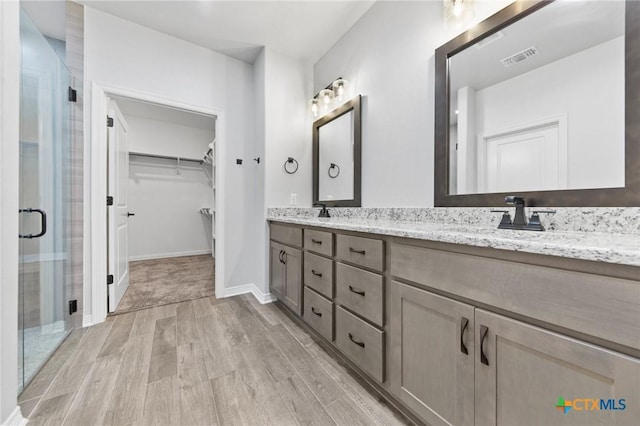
x: 540, y: 104
x: 336, y: 156
x: 335, y: 165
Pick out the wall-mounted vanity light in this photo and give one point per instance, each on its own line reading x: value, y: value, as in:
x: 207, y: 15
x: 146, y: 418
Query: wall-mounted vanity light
x: 325, y: 100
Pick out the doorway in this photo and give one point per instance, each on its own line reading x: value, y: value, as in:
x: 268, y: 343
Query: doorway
x: 161, y: 217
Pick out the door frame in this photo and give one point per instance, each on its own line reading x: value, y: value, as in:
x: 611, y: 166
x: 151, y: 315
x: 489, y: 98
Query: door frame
x: 95, y: 211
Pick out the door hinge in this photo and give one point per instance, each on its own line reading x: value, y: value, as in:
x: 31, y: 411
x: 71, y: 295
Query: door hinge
x: 109, y: 200
x: 109, y: 121
x: 73, y: 95
x: 109, y: 279
x: 73, y: 306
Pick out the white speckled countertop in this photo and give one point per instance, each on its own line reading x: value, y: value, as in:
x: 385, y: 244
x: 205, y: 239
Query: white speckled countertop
x: 595, y: 246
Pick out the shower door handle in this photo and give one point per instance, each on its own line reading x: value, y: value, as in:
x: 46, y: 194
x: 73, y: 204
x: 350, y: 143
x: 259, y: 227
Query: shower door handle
x: 43, y: 223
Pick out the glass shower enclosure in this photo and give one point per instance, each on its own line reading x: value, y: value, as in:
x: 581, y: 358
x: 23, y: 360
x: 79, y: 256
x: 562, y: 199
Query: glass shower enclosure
x: 45, y: 154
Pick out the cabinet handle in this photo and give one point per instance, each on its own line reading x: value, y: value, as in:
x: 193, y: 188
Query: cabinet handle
x: 284, y: 257
x: 353, y: 290
x: 317, y: 274
x: 464, y: 323
x: 361, y: 344
x: 314, y: 311
x: 316, y: 241
x: 280, y: 256
x: 352, y: 250
x: 483, y: 336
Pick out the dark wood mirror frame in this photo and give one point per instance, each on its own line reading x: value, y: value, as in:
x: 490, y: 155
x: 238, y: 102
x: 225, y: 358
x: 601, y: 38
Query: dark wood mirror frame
x: 352, y: 105
x: 626, y: 196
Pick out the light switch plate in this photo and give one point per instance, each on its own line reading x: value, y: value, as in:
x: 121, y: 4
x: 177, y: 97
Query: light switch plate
x: 293, y: 199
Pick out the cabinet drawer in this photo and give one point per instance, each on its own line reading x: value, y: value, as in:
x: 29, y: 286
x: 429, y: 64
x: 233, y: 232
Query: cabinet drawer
x: 318, y: 313
x: 361, y: 342
x: 318, y: 241
x: 318, y: 274
x: 361, y: 251
x: 286, y: 234
x: 361, y: 291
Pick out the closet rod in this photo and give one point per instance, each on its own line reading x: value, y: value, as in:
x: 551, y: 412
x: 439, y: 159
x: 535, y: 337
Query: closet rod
x: 165, y: 157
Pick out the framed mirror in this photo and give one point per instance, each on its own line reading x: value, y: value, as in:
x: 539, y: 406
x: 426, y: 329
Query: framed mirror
x: 336, y: 156
x: 541, y: 101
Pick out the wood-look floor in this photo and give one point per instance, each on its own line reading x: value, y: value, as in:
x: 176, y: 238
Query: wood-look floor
x: 201, y: 362
x: 158, y: 282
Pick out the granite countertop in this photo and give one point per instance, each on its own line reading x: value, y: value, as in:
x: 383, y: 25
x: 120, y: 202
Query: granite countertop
x: 595, y: 246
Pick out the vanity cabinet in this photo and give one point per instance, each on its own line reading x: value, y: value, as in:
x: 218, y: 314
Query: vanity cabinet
x: 285, y: 271
x: 459, y: 335
x: 526, y: 369
x: 432, y: 339
x: 459, y: 365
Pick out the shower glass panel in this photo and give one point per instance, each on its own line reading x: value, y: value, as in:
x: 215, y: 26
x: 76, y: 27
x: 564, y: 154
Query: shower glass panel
x: 45, y: 118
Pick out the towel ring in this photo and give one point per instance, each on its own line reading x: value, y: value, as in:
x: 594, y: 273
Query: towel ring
x: 333, y: 166
x: 290, y: 160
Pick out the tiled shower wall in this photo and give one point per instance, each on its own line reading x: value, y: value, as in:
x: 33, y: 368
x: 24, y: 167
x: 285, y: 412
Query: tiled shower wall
x: 75, y: 63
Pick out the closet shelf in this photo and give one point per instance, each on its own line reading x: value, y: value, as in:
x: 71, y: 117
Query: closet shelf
x: 165, y: 157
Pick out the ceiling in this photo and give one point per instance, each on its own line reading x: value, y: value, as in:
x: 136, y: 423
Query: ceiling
x: 303, y: 29
x: 131, y: 107
x: 557, y: 31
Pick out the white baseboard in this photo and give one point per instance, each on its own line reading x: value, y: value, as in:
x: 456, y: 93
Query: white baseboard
x: 15, y: 419
x: 165, y: 255
x: 87, y: 320
x: 261, y: 297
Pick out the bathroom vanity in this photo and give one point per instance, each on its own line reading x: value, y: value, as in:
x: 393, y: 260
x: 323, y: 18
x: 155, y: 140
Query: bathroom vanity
x: 470, y: 325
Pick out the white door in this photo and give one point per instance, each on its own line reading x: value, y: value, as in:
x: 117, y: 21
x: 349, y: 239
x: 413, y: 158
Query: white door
x: 526, y: 160
x: 118, y: 213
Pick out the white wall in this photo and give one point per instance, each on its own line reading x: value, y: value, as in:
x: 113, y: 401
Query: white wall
x: 129, y: 56
x: 595, y: 120
x: 388, y: 56
x: 9, y: 158
x: 166, y: 138
x: 283, y: 129
x: 287, y: 128
x: 166, y: 204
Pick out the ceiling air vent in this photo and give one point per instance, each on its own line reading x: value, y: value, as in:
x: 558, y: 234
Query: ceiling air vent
x: 520, y: 56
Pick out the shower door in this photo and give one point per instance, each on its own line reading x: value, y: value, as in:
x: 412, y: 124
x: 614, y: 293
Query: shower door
x: 43, y: 317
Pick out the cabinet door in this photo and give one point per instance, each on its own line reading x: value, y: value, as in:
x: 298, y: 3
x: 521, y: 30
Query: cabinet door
x: 293, y: 279
x: 431, y: 367
x: 527, y: 371
x: 276, y: 270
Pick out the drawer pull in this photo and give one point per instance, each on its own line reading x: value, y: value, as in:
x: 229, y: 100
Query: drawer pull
x: 361, y: 344
x: 280, y: 257
x: 358, y: 292
x: 317, y: 274
x: 464, y: 323
x: 314, y: 311
x: 352, y: 250
x: 316, y: 241
x: 483, y: 336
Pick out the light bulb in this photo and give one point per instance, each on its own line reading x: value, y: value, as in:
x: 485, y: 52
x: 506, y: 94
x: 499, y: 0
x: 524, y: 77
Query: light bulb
x: 326, y: 98
x: 457, y: 7
x: 314, y: 107
x: 339, y: 88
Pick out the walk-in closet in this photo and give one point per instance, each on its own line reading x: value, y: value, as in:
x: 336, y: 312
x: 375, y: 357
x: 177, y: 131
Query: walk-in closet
x: 164, y: 174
